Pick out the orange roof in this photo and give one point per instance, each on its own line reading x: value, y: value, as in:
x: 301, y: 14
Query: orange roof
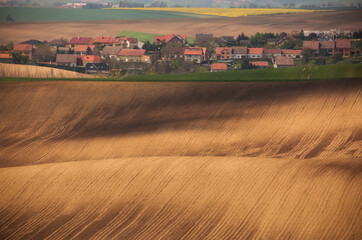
x: 293, y: 52
x: 220, y: 50
x: 314, y: 45
x: 5, y: 56
x: 104, y: 40
x: 167, y: 38
x: 195, y: 51
x: 255, y: 50
x: 131, y: 52
x: 91, y: 58
x: 343, y: 43
x: 219, y: 66
x: 260, y: 64
x: 83, y: 48
x: 23, y: 47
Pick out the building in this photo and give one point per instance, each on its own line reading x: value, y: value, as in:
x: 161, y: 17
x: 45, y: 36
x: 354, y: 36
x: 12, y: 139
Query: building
x: 24, y: 49
x: 34, y: 42
x: 270, y: 53
x: 255, y: 52
x: 327, y: 46
x: 106, y: 41
x: 67, y: 60
x: 96, y: 68
x: 83, y: 50
x: 195, y: 54
x: 239, y: 52
x: 226, y: 40
x: 282, y: 61
x: 58, y: 42
x: 110, y: 51
x: 170, y: 38
x: 6, y: 58
x: 203, y: 38
x: 292, y: 53
x: 313, y: 45
x: 84, y: 59
x: 81, y: 41
x: 133, y: 55
x: 260, y: 64
x: 219, y: 67
x: 127, y: 42
x: 343, y: 47
x: 223, y: 54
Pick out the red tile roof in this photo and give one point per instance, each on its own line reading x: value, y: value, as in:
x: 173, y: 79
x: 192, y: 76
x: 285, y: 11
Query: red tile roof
x: 284, y: 61
x: 314, y: 45
x: 343, y: 43
x: 91, y: 58
x: 219, y: 66
x: 132, y: 40
x: 260, y: 64
x: 220, y: 50
x: 240, y: 50
x: 255, y: 50
x: 23, y: 47
x: 80, y: 40
x: 195, y: 51
x: 5, y: 56
x: 292, y: 52
x: 131, y: 52
x: 104, y: 40
x: 83, y: 48
x: 167, y: 38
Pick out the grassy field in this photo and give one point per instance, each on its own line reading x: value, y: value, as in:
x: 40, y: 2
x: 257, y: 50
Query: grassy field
x: 337, y: 71
x: 58, y: 14
x: 144, y: 37
x: 225, y: 12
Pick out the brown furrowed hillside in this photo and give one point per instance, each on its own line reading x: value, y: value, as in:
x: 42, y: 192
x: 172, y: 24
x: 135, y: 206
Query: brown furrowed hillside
x: 16, y: 70
x: 103, y: 160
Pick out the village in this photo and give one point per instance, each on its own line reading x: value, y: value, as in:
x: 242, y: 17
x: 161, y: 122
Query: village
x: 172, y: 53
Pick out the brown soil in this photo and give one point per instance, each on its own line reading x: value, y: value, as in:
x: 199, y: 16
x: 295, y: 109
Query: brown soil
x: 348, y: 20
x: 181, y: 160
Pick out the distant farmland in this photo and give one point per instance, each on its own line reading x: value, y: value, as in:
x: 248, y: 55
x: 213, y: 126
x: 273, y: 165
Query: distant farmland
x: 59, y: 14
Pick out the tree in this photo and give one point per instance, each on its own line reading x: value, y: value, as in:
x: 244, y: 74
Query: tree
x: 89, y: 51
x: 9, y: 19
x: 307, y: 54
x: 18, y: 58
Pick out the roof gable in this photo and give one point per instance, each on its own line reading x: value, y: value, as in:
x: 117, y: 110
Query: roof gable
x: 132, y: 52
x: 23, y: 47
x: 80, y: 40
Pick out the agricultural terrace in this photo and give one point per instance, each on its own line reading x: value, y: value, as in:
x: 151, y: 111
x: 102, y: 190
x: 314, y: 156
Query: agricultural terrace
x: 224, y: 12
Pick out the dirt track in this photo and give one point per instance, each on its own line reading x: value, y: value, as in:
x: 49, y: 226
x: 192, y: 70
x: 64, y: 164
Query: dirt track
x: 181, y: 160
x: 348, y: 20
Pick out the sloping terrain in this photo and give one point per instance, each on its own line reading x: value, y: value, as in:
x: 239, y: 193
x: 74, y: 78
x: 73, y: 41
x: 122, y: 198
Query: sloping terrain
x: 346, y: 20
x: 120, y: 160
x: 28, y: 71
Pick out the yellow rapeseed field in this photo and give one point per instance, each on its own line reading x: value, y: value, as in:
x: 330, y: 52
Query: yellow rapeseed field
x: 225, y: 12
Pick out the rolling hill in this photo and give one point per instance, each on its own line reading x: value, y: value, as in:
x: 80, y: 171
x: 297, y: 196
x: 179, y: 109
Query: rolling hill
x: 114, y: 160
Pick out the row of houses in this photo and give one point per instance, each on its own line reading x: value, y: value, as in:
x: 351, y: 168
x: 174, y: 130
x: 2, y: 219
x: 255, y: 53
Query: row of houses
x: 341, y: 46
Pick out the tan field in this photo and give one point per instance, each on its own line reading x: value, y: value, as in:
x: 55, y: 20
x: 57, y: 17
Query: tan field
x: 96, y: 160
x: 16, y: 70
x: 347, y: 20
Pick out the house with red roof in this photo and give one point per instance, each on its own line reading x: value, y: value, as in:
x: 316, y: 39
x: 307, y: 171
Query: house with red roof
x: 170, y: 38
x: 223, y: 53
x: 218, y: 67
x: 292, y: 53
x: 5, y: 57
x: 133, y: 55
x: 67, y: 60
x: 105, y: 41
x: 195, y: 54
x: 81, y: 41
x: 83, y: 50
x: 255, y: 52
x: 24, y: 49
x: 82, y: 60
x: 260, y: 64
x: 127, y: 42
x: 343, y: 47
